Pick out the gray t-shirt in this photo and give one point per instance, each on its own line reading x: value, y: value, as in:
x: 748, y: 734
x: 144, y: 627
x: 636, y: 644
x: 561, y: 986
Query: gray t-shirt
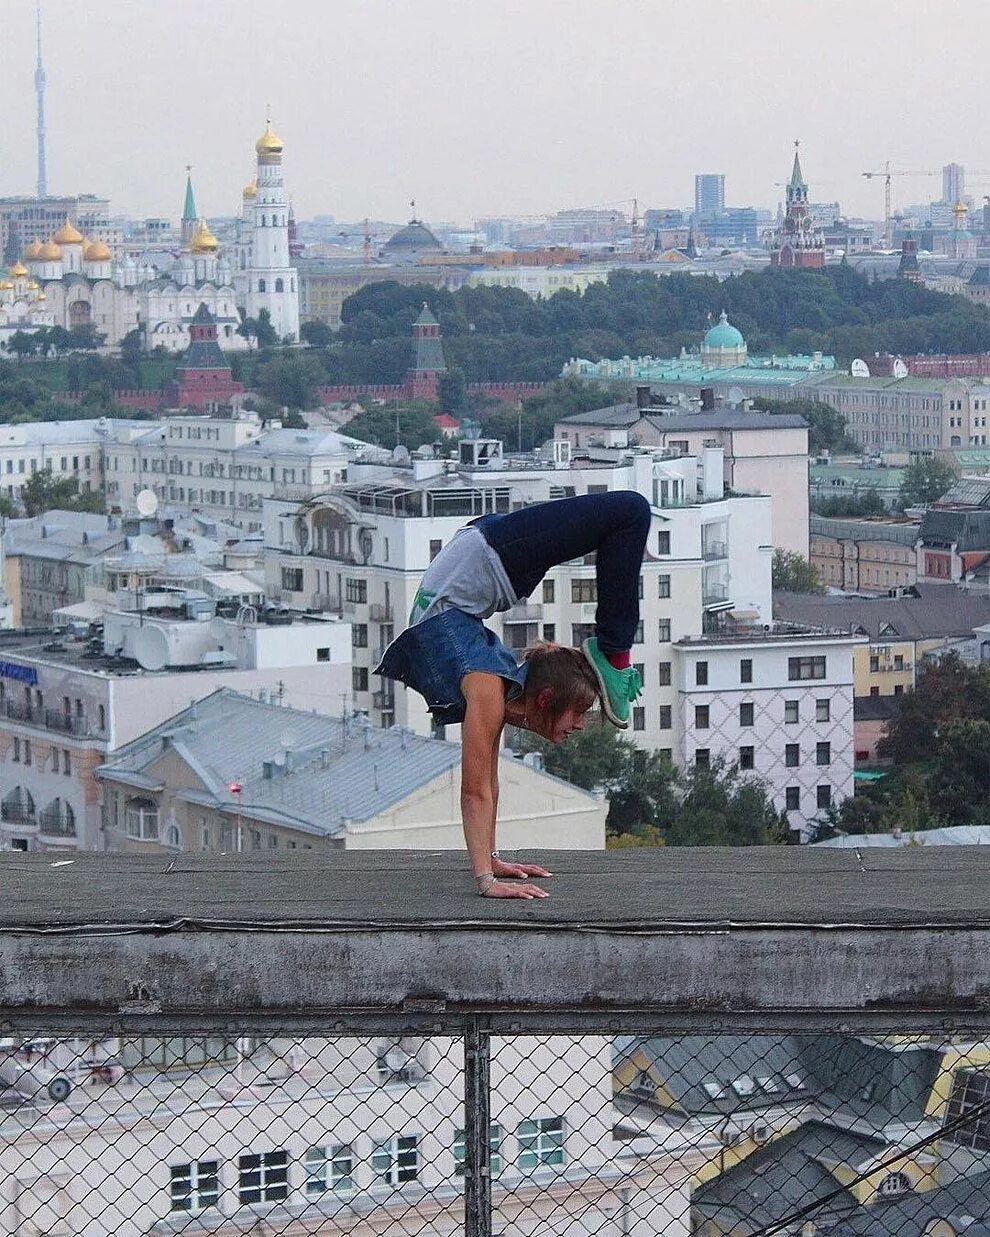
x: 466, y: 575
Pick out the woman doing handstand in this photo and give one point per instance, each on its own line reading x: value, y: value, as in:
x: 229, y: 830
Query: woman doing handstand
x: 467, y: 675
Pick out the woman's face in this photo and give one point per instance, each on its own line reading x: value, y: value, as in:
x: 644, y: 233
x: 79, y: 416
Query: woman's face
x: 557, y: 729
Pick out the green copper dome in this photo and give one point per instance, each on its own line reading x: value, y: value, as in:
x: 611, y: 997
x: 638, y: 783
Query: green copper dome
x: 724, y: 335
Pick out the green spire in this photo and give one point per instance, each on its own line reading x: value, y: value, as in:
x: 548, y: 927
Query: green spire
x: 189, y: 210
x: 797, y: 179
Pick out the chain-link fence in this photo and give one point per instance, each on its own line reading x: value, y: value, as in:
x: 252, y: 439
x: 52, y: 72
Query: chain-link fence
x: 458, y: 1128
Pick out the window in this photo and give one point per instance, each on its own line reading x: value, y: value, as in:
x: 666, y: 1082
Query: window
x: 664, y: 632
x: 194, y: 1186
x: 791, y: 712
x: 494, y: 1150
x: 805, y: 668
x: 665, y: 719
x: 874, y: 663
x: 329, y: 1168
x: 639, y: 719
x: 898, y: 689
x: 584, y: 590
x: 792, y: 798
x: 359, y: 678
x: 701, y: 673
x: 27, y: 751
x: 395, y: 1160
x: 263, y: 1178
x: 824, y: 796
x: 550, y: 632
x: 663, y: 541
x: 638, y: 633
x: 701, y: 716
x: 746, y: 757
x: 16, y: 754
x: 548, y: 592
x: 746, y: 710
x: 792, y: 755
x: 435, y: 548
x: 664, y: 583
x: 66, y: 762
x: 898, y: 661
x: 359, y: 635
x: 823, y: 710
x: 356, y: 590
x: 702, y: 758
x: 292, y: 579
x: 540, y: 1142
x: 664, y: 669
x: 823, y: 753
x: 970, y: 1090
x: 874, y: 691
x: 746, y: 670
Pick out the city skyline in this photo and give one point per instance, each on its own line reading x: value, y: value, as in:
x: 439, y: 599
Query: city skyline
x: 417, y: 104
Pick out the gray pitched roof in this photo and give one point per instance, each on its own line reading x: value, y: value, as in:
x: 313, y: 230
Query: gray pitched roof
x: 937, y: 610
x: 900, y: 532
x: 616, y: 416
x: 727, y: 419
x: 967, y: 530
x: 337, y: 771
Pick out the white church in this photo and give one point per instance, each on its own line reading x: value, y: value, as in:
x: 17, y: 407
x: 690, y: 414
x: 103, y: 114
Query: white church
x: 70, y: 281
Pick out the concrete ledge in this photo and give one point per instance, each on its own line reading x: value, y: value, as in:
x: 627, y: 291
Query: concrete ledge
x: 692, y: 938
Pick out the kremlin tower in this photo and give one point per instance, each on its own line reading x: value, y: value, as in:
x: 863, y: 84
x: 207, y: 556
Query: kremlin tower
x: 796, y: 243
x: 268, y: 279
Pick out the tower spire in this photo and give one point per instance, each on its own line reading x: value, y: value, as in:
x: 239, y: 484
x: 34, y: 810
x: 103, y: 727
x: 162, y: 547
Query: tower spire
x: 39, y: 90
x: 189, y: 216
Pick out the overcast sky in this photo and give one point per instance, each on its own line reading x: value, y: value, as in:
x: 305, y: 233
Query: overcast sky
x: 477, y: 107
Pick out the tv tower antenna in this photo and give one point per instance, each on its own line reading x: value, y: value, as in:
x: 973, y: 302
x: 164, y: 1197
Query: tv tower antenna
x: 39, y: 90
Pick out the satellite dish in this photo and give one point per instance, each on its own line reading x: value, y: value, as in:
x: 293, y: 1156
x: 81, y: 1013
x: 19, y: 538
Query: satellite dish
x: 149, y: 648
x: 736, y: 395
x: 899, y: 369
x: 146, y: 503
x: 400, y: 455
x: 859, y: 369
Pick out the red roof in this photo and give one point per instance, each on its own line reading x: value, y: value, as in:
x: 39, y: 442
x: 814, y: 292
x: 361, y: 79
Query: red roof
x: 446, y: 421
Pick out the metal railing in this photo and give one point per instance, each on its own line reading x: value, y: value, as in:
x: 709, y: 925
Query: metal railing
x: 713, y: 550
x: 18, y: 814
x: 49, y: 719
x: 378, y: 612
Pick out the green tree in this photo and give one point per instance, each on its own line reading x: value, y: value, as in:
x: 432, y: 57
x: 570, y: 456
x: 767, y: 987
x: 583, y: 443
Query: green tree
x: 865, y: 504
x: 723, y: 807
x: 925, y: 481
x: 452, y: 390
x: 42, y: 492
x: 22, y: 344
x: 408, y: 425
x: 945, y: 691
x: 826, y: 425
x: 290, y: 378
x: 316, y: 334
x: 960, y: 773
x: 85, y: 338
x: 792, y: 573
x: 132, y: 348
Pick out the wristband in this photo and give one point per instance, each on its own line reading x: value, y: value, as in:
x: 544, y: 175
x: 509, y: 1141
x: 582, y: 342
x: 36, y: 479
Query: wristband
x: 485, y: 881
x: 496, y: 855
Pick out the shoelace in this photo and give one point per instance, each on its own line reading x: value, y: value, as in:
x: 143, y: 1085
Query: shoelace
x: 634, y: 683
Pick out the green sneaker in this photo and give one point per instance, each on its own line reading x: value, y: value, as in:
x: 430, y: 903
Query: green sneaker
x: 619, y: 688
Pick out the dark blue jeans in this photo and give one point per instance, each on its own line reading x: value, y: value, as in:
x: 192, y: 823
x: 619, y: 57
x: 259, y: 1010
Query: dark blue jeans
x: 612, y: 526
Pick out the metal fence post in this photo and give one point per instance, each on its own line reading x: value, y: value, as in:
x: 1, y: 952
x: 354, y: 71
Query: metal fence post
x: 477, y: 1131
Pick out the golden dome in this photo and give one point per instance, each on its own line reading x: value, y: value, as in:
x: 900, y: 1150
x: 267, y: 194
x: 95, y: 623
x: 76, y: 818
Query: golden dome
x: 250, y: 191
x: 32, y: 284
x: 18, y: 270
x: 6, y: 285
x: 42, y: 296
x: 269, y: 143
x: 97, y: 251
x: 33, y: 251
x: 50, y: 252
x: 68, y: 235
x: 202, y: 240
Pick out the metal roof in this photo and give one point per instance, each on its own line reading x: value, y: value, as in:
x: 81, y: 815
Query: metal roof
x: 936, y: 610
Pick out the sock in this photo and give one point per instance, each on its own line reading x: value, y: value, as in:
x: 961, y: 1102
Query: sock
x: 620, y: 661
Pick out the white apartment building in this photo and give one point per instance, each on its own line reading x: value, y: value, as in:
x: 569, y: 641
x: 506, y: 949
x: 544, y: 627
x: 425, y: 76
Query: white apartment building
x: 69, y: 450
x: 196, y: 1136
x: 69, y: 700
x: 778, y: 703
x: 362, y: 550
x: 225, y: 467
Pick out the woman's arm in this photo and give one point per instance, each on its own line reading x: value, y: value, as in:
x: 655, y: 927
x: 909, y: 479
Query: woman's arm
x: 481, y: 732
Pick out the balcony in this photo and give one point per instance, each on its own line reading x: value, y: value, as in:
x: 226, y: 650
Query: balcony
x: 50, y: 719
x: 714, y: 594
x: 821, y: 1013
x: 524, y: 613
x: 383, y: 700
x: 713, y: 550
x: 379, y: 613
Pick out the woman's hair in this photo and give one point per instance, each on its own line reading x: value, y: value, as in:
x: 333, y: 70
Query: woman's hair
x: 565, y: 671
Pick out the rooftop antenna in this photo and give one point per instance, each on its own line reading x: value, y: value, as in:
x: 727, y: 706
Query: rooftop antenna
x: 367, y: 242
x: 39, y: 90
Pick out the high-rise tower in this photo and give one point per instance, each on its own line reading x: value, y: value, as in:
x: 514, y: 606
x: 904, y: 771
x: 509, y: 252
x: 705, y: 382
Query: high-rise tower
x: 39, y: 90
x: 796, y: 242
x: 271, y: 279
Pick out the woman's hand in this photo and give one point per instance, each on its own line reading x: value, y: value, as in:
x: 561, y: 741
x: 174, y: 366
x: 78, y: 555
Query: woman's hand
x: 503, y: 869
x: 499, y: 889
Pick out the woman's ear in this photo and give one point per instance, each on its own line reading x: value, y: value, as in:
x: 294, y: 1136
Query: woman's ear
x: 544, y: 699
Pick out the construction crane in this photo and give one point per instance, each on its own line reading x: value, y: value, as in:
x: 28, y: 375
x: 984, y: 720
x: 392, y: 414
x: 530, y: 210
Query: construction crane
x: 887, y: 173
